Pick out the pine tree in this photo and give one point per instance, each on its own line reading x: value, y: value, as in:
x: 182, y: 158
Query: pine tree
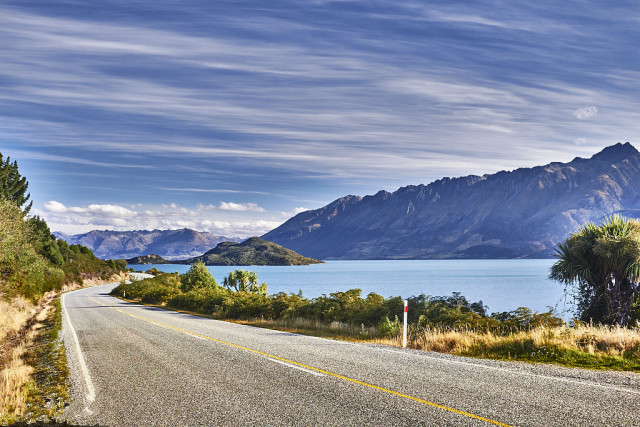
x: 13, y: 186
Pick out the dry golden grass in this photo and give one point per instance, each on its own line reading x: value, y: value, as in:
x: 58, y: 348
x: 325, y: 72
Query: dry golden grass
x: 596, y: 347
x: 13, y: 376
x: 597, y: 340
x: 14, y: 314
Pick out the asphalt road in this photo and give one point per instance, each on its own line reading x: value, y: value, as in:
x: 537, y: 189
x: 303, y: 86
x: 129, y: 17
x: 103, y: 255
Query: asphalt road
x: 135, y: 365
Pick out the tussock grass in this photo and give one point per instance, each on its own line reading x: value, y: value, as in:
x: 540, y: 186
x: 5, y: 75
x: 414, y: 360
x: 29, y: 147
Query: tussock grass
x: 14, y: 379
x: 14, y: 314
x: 16, y: 372
x: 33, y: 367
x: 584, y: 346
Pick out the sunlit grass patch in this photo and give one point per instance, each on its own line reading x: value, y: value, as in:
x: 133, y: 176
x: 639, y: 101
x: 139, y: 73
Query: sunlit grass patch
x: 595, y: 347
x: 33, y: 378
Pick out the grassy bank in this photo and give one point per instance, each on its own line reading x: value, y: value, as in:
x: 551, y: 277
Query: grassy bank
x: 33, y: 379
x: 444, y: 324
x: 593, y: 347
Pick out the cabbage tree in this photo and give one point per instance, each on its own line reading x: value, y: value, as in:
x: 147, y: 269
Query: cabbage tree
x: 602, y: 263
x: 245, y: 281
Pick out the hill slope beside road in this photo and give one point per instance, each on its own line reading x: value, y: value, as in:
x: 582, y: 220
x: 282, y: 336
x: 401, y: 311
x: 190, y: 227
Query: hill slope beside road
x: 523, y: 213
x: 136, y: 365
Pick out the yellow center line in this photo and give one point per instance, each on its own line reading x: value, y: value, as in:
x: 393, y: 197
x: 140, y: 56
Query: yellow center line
x: 386, y: 390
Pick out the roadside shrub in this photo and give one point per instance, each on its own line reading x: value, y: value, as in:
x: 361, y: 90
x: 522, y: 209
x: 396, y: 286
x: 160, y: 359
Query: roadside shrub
x: 387, y: 328
x: 197, y: 277
x: 199, y: 300
x: 245, y: 305
x: 157, y: 290
x: 289, y: 306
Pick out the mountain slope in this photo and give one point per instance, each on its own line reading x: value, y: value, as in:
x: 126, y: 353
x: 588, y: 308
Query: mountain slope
x: 253, y: 251
x: 522, y: 213
x: 166, y: 243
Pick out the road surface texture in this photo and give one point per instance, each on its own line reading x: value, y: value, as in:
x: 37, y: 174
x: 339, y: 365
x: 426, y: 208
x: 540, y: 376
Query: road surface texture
x: 136, y: 365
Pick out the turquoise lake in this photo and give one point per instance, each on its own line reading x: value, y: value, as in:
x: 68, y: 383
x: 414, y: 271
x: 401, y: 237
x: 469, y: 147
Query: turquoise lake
x: 502, y: 285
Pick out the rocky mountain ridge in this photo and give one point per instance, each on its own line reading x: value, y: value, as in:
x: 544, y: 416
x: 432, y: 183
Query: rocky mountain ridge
x: 520, y: 213
x: 170, y: 244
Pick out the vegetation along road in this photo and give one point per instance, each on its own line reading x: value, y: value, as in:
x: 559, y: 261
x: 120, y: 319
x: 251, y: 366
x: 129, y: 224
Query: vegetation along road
x: 137, y: 365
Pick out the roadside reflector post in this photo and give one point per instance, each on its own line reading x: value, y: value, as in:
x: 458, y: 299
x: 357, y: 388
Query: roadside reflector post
x: 404, y: 327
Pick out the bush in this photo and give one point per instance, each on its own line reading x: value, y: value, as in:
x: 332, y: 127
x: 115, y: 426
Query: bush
x: 197, y: 277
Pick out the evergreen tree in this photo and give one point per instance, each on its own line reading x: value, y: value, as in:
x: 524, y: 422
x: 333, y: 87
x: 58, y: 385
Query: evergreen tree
x: 13, y: 186
x: 43, y: 241
x: 197, y: 277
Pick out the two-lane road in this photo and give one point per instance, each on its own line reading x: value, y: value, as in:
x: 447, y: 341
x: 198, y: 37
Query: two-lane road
x: 136, y: 365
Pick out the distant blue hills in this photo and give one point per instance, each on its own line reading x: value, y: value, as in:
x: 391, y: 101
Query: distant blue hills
x: 518, y: 214
x: 170, y: 244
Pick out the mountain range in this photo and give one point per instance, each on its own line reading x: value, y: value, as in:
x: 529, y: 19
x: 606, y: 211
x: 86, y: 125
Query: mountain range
x: 522, y: 213
x: 170, y: 244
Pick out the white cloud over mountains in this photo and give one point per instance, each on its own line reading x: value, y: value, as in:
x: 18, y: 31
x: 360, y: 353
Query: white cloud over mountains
x: 230, y: 206
x: 228, y: 218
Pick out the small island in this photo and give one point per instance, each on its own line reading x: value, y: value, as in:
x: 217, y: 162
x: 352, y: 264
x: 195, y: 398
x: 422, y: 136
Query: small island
x: 147, y: 259
x: 253, y: 251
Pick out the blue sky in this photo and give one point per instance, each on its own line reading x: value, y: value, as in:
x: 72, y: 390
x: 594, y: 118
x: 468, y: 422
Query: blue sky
x: 231, y: 116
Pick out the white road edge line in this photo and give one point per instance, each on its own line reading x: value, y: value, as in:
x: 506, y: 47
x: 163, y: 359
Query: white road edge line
x: 318, y: 374
x: 530, y: 374
x: 91, y: 392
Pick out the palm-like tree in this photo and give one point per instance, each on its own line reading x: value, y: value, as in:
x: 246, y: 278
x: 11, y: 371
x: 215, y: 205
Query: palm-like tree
x: 603, y: 264
x: 245, y: 281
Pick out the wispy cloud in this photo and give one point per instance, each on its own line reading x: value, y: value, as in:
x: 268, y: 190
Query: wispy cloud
x: 305, y: 100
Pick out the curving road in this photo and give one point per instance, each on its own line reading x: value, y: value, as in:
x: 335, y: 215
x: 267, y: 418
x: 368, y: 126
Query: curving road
x: 136, y: 365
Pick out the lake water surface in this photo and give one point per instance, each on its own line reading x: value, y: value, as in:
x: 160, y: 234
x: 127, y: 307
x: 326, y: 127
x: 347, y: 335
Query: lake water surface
x: 502, y: 285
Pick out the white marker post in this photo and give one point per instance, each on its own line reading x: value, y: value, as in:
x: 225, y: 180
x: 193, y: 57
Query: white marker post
x: 404, y: 327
